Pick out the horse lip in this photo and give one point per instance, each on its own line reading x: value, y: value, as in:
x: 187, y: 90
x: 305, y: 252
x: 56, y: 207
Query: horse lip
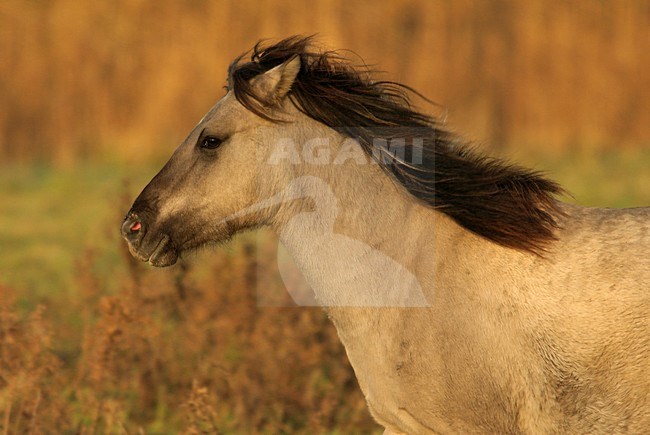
x: 161, y: 256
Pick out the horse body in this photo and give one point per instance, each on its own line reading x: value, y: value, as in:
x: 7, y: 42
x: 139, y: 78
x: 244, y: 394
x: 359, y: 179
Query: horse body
x: 467, y: 298
x: 511, y: 341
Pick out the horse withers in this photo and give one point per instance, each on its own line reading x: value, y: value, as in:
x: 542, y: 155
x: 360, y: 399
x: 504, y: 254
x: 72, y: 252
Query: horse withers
x: 468, y: 297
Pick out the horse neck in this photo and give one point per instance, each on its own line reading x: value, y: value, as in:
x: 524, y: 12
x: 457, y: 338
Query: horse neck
x: 357, y: 235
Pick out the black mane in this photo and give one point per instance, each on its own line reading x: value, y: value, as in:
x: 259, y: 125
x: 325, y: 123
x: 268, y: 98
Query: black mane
x: 509, y: 205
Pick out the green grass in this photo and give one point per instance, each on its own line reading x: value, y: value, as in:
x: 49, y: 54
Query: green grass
x: 598, y: 178
x: 50, y: 219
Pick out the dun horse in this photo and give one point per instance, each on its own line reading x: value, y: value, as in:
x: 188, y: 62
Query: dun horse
x: 469, y: 299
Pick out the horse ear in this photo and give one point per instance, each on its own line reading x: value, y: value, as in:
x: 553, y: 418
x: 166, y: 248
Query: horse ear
x: 275, y: 84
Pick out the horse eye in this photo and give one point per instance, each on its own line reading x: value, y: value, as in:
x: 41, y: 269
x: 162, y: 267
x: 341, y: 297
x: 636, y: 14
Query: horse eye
x: 210, y: 142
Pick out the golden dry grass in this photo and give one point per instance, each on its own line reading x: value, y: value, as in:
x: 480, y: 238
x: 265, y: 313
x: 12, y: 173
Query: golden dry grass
x: 175, y: 352
x: 129, y: 77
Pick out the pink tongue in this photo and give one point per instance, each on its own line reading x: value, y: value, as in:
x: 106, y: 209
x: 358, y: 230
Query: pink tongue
x: 136, y: 227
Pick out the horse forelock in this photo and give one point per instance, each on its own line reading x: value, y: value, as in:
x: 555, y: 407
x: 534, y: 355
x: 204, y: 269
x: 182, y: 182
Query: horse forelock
x: 509, y: 205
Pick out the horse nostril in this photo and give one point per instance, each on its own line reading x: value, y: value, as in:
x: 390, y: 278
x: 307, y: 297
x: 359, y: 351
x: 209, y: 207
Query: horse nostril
x: 132, y: 228
x: 137, y: 226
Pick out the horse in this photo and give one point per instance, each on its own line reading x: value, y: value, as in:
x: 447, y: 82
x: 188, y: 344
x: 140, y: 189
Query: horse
x: 468, y: 296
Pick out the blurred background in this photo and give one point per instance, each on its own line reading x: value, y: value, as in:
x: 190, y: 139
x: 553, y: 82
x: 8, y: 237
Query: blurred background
x: 94, y: 97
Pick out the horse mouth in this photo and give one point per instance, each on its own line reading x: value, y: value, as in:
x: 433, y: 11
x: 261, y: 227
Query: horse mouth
x: 163, y: 254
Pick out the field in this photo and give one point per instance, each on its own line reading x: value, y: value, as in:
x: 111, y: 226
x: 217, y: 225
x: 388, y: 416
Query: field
x: 93, y: 342
x: 93, y: 95
x: 123, y: 78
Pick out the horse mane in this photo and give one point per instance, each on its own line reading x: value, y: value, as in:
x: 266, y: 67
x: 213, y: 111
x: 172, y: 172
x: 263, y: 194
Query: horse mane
x: 506, y: 204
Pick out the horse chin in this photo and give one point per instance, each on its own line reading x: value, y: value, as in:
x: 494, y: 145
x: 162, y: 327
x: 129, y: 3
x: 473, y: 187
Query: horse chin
x: 163, y: 254
x: 163, y: 258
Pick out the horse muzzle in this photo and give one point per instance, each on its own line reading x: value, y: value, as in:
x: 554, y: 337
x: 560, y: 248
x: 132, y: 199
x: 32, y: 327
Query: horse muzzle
x: 147, y: 245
